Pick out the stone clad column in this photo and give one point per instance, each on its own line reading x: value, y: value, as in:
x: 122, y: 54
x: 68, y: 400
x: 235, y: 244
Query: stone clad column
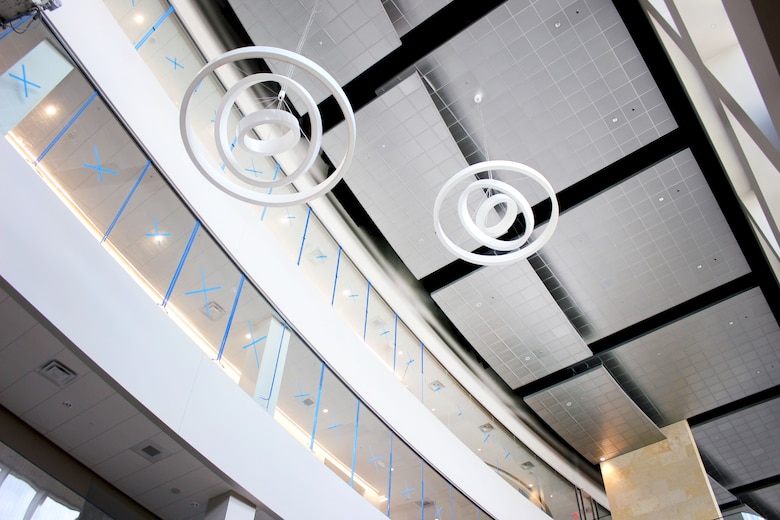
x: 664, y: 480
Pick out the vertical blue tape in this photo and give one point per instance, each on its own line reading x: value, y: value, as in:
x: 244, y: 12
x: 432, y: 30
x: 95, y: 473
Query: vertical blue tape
x: 230, y: 318
x: 127, y: 200
x: 303, y: 240
x: 317, y: 408
x: 422, y: 489
x: 154, y: 28
x: 336, y: 278
x: 395, y: 342
x: 390, y: 476
x: 181, y: 264
x: 276, y: 368
x: 354, y: 446
x: 365, y: 320
x: 66, y: 127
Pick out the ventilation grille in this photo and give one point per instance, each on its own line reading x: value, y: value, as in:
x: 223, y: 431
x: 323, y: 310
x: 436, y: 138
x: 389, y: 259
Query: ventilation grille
x: 57, y: 373
x: 150, y: 450
x: 487, y: 427
x: 527, y: 465
x: 213, y: 311
x: 307, y: 402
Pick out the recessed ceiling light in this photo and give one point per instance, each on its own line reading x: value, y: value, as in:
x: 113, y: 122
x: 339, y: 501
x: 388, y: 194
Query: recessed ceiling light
x: 478, y: 97
x: 530, y: 485
x: 527, y: 358
x: 433, y: 409
x: 758, y: 371
x: 325, y: 410
x: 568, y: 403
x: 139, y: 18
x: 478, y: 304
x: 248, y: 336
x: 602, y: 459
x: 50, y: 110
x: 400, y: 353
x: 660, y: 199
x: 479, y: 449
x: 557, y: 24
x: 698, y: 266
x: 731, y: 323
x: 615, y: 119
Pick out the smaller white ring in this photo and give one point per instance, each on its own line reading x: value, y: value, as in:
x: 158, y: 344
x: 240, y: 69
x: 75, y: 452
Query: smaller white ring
x: 490, y: 204
x: 480, y: 229
x: 272, y: 146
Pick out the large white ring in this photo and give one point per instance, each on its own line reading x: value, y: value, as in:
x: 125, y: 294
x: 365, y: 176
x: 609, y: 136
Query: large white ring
x: 515, y: 204
x: 234, y: 180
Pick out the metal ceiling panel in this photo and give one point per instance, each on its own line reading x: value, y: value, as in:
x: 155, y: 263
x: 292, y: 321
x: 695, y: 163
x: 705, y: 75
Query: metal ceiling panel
x: 652, y: 242
x: 743, y: 445
x: 767, y: 501
x: 710, y: 358
x: 593, y: 414
x: 564, y: 88
x: 513, y: 322
x: 722, y: 495
x: 345, y: 37
x: 407, y: 14
x: 404, y: 155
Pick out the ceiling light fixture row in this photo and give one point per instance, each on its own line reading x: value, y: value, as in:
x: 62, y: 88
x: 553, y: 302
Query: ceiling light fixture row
x: 232, y: 178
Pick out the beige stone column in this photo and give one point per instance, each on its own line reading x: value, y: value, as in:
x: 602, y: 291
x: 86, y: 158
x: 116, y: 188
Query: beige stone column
x: 663, y: 480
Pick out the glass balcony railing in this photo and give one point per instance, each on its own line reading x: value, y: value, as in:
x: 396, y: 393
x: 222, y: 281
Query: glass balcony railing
x: 71, y: 137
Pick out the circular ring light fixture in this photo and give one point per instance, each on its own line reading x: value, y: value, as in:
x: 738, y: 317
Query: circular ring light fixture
x: 233, y: 178
x: 498, y: 193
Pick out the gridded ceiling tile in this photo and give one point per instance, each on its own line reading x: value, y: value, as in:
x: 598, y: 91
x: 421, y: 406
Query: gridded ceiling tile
x: 722, y: 495
x: 404, y: 154
x: 563, y: 87
x: 652, y: 242
x: 593, y: 414
x: 742, y: 446
x: 767, y: 501
x: 513, y: 322
x: 710, y: 358
x: 407, y: 14
x: 345, y: 37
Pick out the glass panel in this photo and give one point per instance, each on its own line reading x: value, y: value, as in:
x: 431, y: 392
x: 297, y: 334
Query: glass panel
x: 319, y: 258
x: 351, y: 293
x: 296, y: 407
x: 372, y: 457
x: 379, y: 329
x: 409, y: 360
x: 52, y: 510
x: 15, y: 498
x: 406, y: 485
x: 136, y: 18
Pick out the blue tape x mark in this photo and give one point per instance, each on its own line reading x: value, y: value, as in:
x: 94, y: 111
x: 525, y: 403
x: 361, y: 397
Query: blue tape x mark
x: 205, y: 291
x: 97, y: 166
x: 25, y: 81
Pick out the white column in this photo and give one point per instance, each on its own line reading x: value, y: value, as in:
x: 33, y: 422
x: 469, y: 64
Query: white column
x: 261, y: 376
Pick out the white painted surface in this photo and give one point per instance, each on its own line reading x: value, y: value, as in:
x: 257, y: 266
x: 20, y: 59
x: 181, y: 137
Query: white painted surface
x: 94, y: 303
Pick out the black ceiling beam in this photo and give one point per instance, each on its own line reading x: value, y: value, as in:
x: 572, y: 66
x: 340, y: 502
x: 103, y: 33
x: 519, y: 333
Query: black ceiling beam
x: 436, y: 30
x: 755, y: 486
x: 665, y: 76
x: 571, y: 197
x: 749, y: 401
x: 639, y: 329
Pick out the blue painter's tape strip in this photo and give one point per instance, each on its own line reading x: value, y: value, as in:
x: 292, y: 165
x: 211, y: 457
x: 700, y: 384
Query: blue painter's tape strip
x: 230, y: 318
x: 395, y: 342
x: 390, y: 476
x: 127, y: 200
x: 336, y: 279
x: 181, y: 264
x: 303, y: 240
x: 422, y: 489
x: 365, y: 320
x: 276, y: 368
x: 66, y: 127
x: 154, y: 28
x: 317, y: 408
x: 354, y: 446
